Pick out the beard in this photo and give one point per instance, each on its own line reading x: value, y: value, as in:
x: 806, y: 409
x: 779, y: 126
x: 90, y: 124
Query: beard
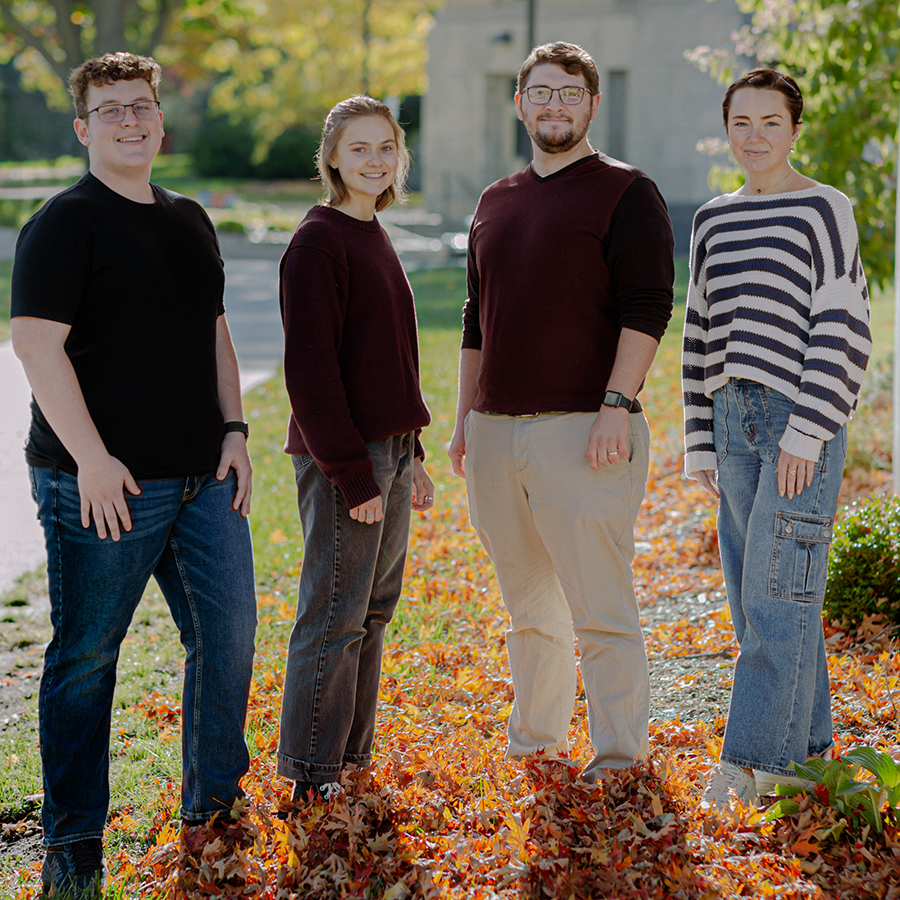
x: 558, y: 142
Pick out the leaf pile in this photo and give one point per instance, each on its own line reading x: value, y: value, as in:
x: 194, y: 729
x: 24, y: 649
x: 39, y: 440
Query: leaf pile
x: 441, y: 814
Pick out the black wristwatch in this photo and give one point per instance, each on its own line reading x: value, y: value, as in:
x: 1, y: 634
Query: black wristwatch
x: 242, y: 427
x: 616, y: 400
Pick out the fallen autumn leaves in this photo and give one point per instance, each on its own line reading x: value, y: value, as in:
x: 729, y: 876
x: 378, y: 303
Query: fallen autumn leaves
x: 441, y: 814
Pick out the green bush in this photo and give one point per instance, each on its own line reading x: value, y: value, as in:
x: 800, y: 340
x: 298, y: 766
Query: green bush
x: 292, y: 155
x: 864, y: 564
x: 223, y: 150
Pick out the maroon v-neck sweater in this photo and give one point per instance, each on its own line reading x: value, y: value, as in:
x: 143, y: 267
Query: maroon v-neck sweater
x: 557, y: 267
x: 351, y: 359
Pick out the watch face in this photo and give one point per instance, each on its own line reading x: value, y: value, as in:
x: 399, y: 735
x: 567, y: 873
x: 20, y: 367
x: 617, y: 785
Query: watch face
x: 616, y: 400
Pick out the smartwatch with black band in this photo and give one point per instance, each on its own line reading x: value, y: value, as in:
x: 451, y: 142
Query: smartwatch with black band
x: 616, y: 400
x: 242, y: 427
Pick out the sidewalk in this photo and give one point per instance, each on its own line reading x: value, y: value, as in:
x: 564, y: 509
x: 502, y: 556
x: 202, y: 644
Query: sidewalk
x: 21, y: 537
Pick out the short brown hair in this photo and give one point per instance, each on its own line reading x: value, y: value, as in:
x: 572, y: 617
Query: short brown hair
x: 108, y: 69
x: 768, y: 80
x: 574, y: 59
x: 335, y: 122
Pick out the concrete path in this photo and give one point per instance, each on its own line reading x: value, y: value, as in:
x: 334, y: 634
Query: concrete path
x: 21, y: 538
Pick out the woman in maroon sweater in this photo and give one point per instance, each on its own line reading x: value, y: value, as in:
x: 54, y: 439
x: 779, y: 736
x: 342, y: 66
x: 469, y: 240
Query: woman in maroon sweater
x: 352, y: 372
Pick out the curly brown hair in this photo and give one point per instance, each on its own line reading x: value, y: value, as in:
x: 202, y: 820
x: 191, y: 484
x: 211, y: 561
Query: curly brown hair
x: 108, y: 69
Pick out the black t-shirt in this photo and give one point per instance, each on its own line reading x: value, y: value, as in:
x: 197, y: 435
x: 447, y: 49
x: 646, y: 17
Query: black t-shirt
x: 141, y: 286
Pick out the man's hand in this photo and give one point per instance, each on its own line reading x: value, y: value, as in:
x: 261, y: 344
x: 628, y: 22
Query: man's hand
x: 457, y: 452
x: 423, y: 487
x: 609, y: 441
x: 794, y: 473
x: 370, y: 512
x: 235, y: 456
x: 101, y: 487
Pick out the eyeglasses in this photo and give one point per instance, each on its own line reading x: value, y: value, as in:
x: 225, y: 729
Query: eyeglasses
x: 541, y: 94
x: 143, y: 109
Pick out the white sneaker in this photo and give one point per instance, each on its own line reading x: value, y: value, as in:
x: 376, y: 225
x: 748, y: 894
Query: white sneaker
x: 727, y: 782
x: 766, y: 782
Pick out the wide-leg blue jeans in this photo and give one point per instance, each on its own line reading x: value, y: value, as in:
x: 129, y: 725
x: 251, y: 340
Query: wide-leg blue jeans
x: 187, y: 536
x: 775, y: 561
x: 350, y: 583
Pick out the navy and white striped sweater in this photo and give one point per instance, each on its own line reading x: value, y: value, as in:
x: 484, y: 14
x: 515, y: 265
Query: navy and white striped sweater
x: 777, y: 294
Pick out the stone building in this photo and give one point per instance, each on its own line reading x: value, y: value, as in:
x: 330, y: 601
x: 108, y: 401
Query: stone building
x: 654, y: 108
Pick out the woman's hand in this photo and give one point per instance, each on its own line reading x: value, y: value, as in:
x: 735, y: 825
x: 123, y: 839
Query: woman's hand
x: 423, y: 487
x: 794, y: 473
x: 370, y: 512
x: 708, y: 481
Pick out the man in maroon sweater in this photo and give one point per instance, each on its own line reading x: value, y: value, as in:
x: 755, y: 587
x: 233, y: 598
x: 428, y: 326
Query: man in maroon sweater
x: 570, y: 276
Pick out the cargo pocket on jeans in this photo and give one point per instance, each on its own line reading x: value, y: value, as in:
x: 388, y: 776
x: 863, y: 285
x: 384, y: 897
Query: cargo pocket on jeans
x: 799, y: 566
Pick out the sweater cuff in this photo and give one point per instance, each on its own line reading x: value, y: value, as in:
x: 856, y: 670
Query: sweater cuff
x: 360, y: 489
x: 420, y: 450
x: 798, y: 444
x: 698, y: 461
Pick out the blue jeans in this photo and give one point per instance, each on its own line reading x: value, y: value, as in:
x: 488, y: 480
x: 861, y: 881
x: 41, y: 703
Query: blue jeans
x: 185, y: 535
x: 775, y: 561
x: 350, y: 583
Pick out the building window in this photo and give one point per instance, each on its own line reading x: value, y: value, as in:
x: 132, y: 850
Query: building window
x: 616, y: 113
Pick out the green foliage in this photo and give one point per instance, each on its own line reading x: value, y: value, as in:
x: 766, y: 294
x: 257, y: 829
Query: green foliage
x: 224, y: 148
x: 292, y: 155
x: 289, y: 69
x: 846, y: 58
x: 48, y: 38
x: 864, y: 563
x: 862, y: 786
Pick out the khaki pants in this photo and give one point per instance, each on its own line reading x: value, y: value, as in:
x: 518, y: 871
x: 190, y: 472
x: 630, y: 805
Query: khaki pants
x: 562, y: 539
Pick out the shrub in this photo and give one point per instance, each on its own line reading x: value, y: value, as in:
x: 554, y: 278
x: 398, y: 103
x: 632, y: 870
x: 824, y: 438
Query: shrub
x: 224, y: 150
x: 863, y: 786
x: 864, y: 564
x: 292, y: 155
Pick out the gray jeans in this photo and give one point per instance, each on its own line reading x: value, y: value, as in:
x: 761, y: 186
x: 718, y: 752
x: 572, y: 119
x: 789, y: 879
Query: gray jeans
x: 350, y: 583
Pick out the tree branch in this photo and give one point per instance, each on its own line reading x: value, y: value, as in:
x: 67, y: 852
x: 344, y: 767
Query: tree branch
x: 45, y: 48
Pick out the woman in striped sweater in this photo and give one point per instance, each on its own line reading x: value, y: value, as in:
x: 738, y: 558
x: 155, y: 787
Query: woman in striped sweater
x: 776, y: 340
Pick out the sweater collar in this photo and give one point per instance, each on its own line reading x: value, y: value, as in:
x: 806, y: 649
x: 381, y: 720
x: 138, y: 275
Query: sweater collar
x: 540, y: 179
x: 349, y: 221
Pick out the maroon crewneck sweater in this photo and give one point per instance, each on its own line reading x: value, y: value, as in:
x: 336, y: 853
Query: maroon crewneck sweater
x: 557, y: 267
x: 351, y: 358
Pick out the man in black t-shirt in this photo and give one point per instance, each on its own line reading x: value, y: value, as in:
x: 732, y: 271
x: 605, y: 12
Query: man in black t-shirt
x: 138, y: 459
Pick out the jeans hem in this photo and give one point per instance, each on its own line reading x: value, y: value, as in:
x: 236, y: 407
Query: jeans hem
x: 297, y: 770
x: 361, y: 760
x: 73, y: 839
x: 192, y: 817
x: 750, y: 764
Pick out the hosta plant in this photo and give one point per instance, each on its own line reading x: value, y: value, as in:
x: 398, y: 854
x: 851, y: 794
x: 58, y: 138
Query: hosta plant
x: 862, y: 786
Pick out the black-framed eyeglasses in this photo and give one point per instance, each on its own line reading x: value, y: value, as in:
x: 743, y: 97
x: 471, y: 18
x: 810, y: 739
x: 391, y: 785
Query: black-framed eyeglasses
x: 540, y: 94
x: 143, y: 109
